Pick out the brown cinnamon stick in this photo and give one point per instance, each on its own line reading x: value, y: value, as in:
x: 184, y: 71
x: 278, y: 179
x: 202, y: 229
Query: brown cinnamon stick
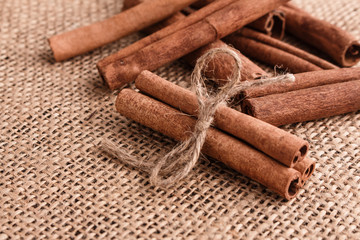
x: 260, y: 37
x: 184, y: 41
x: 271, y: 55
x: 221, y: 66
x: 305, y: 104
x: 272, y: 23
x: 159, y: 25
x: 85, y: 39
x: 234, y: 153
x: 116, y: 58
x: 305, y: 80
x: 281, y: 145
x: 332, y: 40
x: 306, y: 168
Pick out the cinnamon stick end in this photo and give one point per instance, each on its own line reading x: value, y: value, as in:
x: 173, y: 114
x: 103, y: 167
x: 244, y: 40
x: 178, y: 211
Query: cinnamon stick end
x: 118, y: 74
x: 56, y: 49
x: 309, y: 171
x: 293, y: 187
x: 278, y: 29
x: 109, y: 79
x: 102, y: 64
x: 352, y: 55
x: 269, y: 25
x: 306, y: 169
x: 299, y: 156
x: 101, y: 73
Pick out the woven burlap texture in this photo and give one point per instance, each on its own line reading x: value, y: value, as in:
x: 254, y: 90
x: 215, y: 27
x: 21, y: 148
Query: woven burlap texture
x: 55, y: 184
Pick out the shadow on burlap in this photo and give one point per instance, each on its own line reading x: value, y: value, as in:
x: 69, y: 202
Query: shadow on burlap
x: 55, y: 183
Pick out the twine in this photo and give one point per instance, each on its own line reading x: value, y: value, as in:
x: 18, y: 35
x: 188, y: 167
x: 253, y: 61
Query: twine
x: 177, y: 164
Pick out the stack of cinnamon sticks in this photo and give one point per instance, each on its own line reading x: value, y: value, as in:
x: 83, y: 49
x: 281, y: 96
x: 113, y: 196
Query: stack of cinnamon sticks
x: 189, y: 33
x: 187, y: 29
x: 265, y: 153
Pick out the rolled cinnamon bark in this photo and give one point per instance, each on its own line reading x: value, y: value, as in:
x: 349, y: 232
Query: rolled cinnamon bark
x: 116, y: 58
x: 271, y: 55
x: 306, y: 168
x: 272, y: 24
x: 186, y: 40
x: 332, y: 40
x: 232, y: 152
x: 220, y: 67
x: 305, y: 104
x: 305, y: 80
x: 260, y: 37
x: 85, y: 39
x: 159, y: 25
x: 279, y: 144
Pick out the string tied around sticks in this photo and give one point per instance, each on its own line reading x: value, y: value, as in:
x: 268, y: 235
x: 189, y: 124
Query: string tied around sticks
x: 177, y: 164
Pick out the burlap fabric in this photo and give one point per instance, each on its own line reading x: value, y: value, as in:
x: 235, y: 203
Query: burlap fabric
x: 56, y: 184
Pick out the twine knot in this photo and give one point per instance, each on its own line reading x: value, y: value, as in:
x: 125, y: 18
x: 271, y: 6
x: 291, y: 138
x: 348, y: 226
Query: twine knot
x: 177, y: 163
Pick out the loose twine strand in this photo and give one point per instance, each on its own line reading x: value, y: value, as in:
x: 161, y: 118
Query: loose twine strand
x: 177, y: 163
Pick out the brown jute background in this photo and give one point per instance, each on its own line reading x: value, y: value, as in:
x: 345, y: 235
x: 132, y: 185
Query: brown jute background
x: 55, y: 184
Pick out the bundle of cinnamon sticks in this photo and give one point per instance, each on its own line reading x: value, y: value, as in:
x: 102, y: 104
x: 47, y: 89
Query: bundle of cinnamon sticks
x: 187, y: 29
x: 265, y: 153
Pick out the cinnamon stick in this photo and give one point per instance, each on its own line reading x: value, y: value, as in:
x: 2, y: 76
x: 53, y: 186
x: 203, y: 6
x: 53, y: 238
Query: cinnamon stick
x: 116, y: 58
x: 271, y: 55
x: 305, y: 104
x: 305, y: 80
x: 306, y: 168
x: 85, y: 39
x: 259, y: 37
x: 234, y: 153
x: 186, y: 40
x: 281, y: 145
x: 332, y: 40
x: 273, y: 23
x: 221, y: 66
